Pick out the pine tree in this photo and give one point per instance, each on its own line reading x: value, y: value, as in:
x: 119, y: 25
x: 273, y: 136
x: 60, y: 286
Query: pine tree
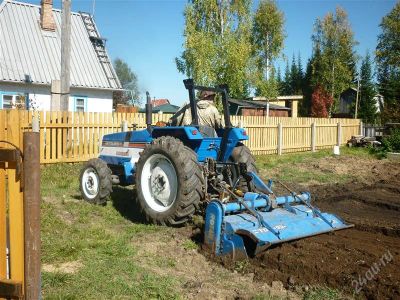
x: 367, y: 110
x: 294, y: 76
x: 287, y: 84
x: 388, y: 63
x: 279, y: 81
x: 305, y: 104
x: 300, y: 76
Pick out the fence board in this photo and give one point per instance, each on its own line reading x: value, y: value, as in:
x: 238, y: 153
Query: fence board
x: 16, y: 210
x: 3, y: 208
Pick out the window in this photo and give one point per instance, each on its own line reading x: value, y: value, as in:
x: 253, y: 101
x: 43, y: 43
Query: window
x: 12, y: 101
x: 80, y: 104
x: 7, y: 101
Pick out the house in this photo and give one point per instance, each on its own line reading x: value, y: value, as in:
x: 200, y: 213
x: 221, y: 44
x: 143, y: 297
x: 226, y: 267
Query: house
x: 158, y: 102
x: 347, y: 102
x: 166, y: 108
x: 290, y: 101
x: 256, y: 108
x: 30, y: 55
x: 379, y: 102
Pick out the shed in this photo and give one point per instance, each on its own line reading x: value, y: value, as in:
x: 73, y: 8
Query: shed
x: 256, y: 108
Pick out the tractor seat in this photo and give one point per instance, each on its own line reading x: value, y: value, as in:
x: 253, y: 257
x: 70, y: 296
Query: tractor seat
x: 207, y: 131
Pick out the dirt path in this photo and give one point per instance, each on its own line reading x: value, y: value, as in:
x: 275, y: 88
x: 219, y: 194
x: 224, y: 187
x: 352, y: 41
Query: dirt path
x: 365, y: 259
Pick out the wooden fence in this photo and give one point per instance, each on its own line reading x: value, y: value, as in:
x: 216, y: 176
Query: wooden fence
x: 11, y: 207
x: 75, y: 137
x: 283, y: 135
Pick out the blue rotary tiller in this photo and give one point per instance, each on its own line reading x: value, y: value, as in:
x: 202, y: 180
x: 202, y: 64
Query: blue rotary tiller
x: 178, y: 169
x: 254, y: 221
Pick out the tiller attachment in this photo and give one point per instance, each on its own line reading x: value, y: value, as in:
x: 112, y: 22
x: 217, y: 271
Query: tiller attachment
x: 255, y: 221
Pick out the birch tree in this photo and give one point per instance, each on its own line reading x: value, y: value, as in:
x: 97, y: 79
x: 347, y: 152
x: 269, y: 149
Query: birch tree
x: 217, y: 47
x: 268, y: 40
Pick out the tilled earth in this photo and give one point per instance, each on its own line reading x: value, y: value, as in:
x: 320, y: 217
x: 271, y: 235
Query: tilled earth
x: 363, y: 262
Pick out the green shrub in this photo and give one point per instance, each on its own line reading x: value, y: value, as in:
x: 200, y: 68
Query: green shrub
x: 390, y: 143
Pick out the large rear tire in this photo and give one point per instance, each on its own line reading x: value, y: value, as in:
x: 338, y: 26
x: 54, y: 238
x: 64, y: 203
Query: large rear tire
x: 95, y: 181
x: 242, y: 154
x: 169, y: 181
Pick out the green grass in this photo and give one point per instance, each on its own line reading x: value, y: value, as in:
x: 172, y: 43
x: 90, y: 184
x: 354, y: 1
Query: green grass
x: 323, y: 293
x: 295, y: 167
x: 101, y: 238
x: 271, y: 161
x: 190, y: 245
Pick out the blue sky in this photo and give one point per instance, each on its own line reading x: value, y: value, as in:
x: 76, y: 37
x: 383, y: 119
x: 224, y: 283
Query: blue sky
x: 148, y: 34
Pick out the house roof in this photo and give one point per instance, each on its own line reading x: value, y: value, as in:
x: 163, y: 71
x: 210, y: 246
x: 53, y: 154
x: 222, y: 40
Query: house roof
x: 280, y: 98
x: 26, y: 49
x: 348, y: 90
x: 158, y: 102
x: 165, y: 108
x: 257, y: 104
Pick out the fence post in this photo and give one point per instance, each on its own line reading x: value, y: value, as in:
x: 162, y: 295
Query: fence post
x: 32, y: 214
x: 361, y: 128
x: 35, y: 124
x: 313, y: 136
x: 339, y: 134
x: 124, y: 126
x: 280, y: 131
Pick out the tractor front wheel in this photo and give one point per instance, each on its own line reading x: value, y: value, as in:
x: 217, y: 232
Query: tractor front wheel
x: 169, y: 182
x: 95, y: 181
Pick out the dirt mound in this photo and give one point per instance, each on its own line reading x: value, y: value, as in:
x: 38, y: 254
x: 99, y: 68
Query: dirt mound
x: 363, y: 261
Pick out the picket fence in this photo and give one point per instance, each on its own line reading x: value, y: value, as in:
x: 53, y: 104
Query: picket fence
x: 75, y: 137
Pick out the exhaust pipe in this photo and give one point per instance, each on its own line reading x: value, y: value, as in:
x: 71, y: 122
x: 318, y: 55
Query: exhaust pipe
x: 149, y: 110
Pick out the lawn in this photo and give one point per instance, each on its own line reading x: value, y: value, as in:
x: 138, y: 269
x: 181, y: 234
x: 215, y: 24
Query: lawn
x: 107, y: 252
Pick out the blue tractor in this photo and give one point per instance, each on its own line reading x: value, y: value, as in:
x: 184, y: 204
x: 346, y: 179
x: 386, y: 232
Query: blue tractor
x: 181, y: 170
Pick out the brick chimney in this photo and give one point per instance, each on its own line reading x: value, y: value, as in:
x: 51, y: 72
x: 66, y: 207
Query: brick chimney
x: 46, y: 16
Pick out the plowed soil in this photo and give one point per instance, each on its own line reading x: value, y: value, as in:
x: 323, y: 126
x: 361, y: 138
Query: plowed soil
x: 363, y: 262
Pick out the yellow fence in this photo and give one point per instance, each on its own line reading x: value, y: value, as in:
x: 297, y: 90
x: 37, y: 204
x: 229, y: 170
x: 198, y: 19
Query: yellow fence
x: 74, y: 137
x: 11, y: 204
x: 268, y: 135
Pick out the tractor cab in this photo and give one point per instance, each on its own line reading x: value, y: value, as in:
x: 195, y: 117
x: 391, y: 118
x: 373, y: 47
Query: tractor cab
x: 216, y: 143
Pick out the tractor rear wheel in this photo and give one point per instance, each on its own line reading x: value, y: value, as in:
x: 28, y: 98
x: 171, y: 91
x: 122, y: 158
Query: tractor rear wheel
x: 169, y: 181
x: 95, y: 181
x: 242, y: 154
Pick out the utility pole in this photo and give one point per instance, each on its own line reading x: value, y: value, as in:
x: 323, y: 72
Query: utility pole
x: 65, y: 54
x: 358, y: 89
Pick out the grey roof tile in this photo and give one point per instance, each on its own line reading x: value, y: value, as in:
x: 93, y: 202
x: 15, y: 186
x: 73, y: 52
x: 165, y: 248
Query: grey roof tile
x: 27, y: 49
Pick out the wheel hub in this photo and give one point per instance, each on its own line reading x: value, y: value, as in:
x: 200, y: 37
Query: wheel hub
x: 159, y: 182
x: 90, y: 183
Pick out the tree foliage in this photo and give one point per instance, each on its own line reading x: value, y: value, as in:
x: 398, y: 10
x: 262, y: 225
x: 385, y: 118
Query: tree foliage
x: 267, y: 39
x: 388, y: 64
x: 367, y: 110
x: 224, y: 43
x: 129, y: 83
x: 217, y: 44
x: 334, y: 58
x: 307, y: 89
x: 321, y: 102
